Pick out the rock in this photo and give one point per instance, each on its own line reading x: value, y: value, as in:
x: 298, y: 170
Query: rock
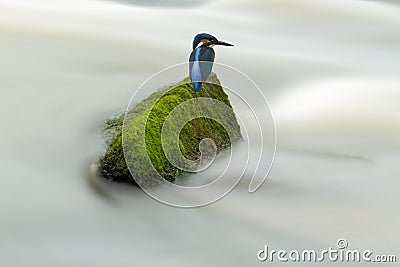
x: 112, y: 163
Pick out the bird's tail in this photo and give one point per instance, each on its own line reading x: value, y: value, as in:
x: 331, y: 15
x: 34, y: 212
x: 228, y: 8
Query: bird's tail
x: 197, y: 86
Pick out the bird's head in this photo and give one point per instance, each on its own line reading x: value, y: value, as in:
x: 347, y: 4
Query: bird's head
x: 203, y: 38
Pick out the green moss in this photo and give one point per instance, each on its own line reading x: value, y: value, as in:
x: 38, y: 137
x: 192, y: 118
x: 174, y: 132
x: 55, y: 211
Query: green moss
x: 112, y: 163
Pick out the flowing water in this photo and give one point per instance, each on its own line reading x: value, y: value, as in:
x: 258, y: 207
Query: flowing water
x: 329, y: 69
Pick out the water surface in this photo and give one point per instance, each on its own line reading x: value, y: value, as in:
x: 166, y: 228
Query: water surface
x: 330, y: 70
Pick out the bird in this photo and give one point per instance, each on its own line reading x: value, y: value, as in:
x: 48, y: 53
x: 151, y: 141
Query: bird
x: 202, y: 57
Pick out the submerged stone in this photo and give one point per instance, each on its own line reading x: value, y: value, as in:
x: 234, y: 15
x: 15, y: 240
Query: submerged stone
x: 152, y: 116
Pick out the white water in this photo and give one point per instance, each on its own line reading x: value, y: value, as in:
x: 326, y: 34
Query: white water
x: 330, y: 70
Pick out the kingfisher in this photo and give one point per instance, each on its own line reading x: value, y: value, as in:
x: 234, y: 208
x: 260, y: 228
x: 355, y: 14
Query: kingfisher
x: 202, y: 57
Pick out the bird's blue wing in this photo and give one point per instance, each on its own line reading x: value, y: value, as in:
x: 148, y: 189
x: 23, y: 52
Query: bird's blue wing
x: 200, y: 65
x: 206, y: 59
x: 194, y: 70
x: 191, y: 62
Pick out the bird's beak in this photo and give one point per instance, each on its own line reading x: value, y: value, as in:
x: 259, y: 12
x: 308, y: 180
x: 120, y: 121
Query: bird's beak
x: 223, y: 43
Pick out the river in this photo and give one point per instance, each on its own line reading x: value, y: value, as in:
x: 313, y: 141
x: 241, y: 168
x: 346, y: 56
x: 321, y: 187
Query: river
x: 329, y: 69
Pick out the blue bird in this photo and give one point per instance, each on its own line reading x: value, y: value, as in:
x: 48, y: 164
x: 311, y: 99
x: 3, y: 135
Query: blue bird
x: 201, y: 59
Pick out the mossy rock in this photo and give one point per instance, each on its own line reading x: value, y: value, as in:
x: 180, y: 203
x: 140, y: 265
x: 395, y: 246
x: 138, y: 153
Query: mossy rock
x: 150, y: 115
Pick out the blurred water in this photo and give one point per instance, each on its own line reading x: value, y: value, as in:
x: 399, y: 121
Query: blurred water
x: 330, y: 70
